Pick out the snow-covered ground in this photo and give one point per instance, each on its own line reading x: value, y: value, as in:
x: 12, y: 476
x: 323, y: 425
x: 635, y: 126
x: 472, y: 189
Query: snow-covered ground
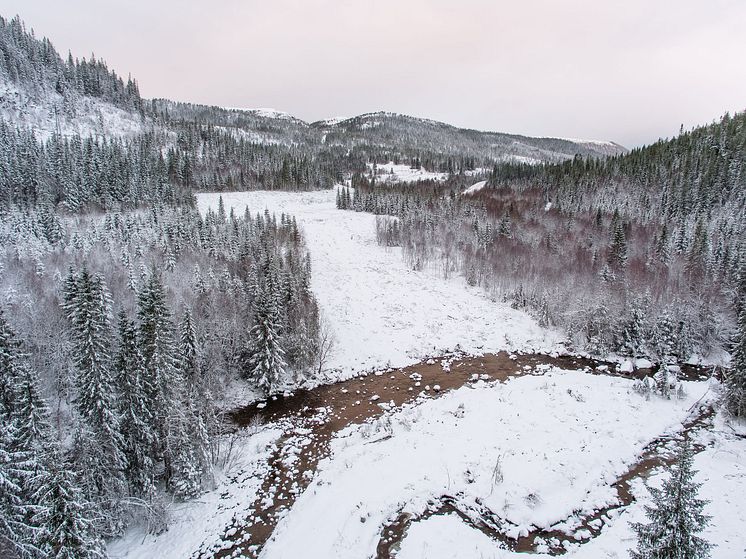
x: 561, y: 439
x: 474, y: 188
x: 381, y: 311
x: 44, y: 114
x: 391, y: 172
x: 722, y: 470
x: 201, y: 522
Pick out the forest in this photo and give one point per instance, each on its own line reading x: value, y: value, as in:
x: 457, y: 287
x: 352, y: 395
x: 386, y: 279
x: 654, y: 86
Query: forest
x: 637, y: 254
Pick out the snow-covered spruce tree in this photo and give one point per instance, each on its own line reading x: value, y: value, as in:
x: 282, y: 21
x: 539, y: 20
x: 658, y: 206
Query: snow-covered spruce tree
x: 63, y: 517
x: 266, y: 364
x: 136, y: 418
x: 32, y: 413
x: 675, y: 515
x: 178, y: 436
x: 160, y: 361
x: 9, y: 350
x: 18, y: 469
x: 735, y: 381
x: 102, y: 463
x: 191, y: 461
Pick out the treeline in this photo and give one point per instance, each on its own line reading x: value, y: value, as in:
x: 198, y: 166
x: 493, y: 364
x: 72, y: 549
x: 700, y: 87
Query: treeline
x: 80, y: 174
x: 137, y: 324
x: 641, y: 268
x: 701, y: 172
x: 36, y: 64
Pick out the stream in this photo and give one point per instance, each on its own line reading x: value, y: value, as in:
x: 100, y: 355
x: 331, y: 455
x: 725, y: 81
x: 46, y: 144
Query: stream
x: 310, y: 419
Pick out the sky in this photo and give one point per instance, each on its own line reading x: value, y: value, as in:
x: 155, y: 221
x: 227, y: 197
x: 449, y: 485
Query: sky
x: 630, y: 71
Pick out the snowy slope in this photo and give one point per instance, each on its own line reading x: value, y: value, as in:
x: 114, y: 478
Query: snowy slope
x: 44, y: 113
x: 476, y: 187
x: 381, y: 311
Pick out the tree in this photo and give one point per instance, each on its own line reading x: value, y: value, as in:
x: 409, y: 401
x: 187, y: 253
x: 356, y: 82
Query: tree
x: 135, y: 410
x: 160, y: 364
x: 66, y: 529
x: 266, y: 364
x: 735, y: 381
x: 9, y: 350
x: 17, y: 470
x: 98, y: 443
x: 675, y: 515
x: 618, y: 247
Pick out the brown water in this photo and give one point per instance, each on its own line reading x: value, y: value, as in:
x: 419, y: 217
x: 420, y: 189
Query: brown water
x: 310, y: 419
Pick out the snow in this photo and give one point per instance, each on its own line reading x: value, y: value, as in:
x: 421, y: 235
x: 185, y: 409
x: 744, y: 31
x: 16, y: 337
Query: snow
x: 447, y: 537
x: 265, y: 112
x: 380, y: 311
x: 392, y: 172
x: 202, y: 520
x: 476, y: 187
x: 93, y: 117
x: 559, y: 453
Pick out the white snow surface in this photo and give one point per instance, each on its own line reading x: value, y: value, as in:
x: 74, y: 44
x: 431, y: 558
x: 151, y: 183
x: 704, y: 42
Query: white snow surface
x: 382, y: 312
x: 721, y: 469
x: 562, y: 438
x: 447, y: 537
x: 392, y: 172
x: 476, y: 187
x: 93, y: 117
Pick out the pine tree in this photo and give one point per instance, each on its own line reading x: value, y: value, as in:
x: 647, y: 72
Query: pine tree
x: 99, y: 443
x: 64, y: 516
x: 266, y: 364
x: 735, y: 381
x: 675, y: 516
x: 136, y: 416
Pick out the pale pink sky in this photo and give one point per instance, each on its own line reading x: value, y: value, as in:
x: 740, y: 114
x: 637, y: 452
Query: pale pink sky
x: 629, y: 71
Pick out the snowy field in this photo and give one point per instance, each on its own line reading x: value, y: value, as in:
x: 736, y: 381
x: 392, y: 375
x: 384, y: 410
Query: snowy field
x: 382, y: 312
x: 561, y: 438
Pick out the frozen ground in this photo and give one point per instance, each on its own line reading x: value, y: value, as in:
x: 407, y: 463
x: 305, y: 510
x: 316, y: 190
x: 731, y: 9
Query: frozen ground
x: 380, y: 310
x: 561, y: 440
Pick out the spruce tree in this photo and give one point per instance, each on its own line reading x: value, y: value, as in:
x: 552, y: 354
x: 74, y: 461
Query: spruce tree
x: 99, y: 441
x: 9, y: 350
x: 675, y: 516
x: 136, y: 415
x: 735, y: 381
x: 160, y: 364
x: 266, y: 364
x: 17, y: 471
x: 66, y: 531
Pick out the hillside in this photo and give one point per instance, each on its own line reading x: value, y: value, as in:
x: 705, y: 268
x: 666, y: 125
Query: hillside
x: 51, y: 96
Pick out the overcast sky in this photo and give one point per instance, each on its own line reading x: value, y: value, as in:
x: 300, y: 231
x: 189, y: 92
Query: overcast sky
x: 629, y: 71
